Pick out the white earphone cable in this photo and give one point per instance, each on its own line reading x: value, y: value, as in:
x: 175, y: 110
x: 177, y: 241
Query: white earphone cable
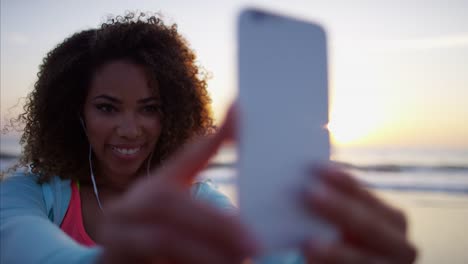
x: 148, y: 163
x: 96, y: 193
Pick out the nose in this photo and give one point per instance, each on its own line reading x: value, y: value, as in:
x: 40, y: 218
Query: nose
x: 129, y: 127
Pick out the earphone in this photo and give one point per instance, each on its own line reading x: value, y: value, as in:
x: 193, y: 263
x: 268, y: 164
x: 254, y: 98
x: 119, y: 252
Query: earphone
x: 82, y: 123
x: 96, y: 192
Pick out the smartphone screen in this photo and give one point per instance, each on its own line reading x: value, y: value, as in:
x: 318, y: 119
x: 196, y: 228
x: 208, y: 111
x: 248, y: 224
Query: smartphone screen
x: 283, y: 103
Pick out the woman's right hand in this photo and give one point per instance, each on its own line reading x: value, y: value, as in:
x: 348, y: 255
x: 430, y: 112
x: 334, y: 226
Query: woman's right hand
x: 157, y: 221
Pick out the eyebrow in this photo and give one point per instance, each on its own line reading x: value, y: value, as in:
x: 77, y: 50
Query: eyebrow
x: 148, y: 100
x: 117, y: 101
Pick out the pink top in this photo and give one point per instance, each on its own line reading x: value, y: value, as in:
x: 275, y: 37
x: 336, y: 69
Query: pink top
x: 72, y: 223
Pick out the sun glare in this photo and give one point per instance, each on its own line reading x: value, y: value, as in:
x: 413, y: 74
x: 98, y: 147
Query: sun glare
x: 344, y: 133
x: 352, y: 125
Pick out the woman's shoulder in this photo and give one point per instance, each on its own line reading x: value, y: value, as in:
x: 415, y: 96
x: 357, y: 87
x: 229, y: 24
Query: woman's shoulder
x: 20, y: 180
x: 23, y: 190
x: 20, y: 191
x: 25, y: 221
x: 23, y: 179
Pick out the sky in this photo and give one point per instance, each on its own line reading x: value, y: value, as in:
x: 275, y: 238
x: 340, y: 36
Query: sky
x: 397, y: 69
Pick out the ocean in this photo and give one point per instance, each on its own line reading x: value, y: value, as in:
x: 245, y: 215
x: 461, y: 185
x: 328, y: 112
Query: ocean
x: 402, y: 169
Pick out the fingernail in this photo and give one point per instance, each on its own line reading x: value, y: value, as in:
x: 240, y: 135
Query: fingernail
x: 318, y: 192
x: 317, y: 168
x: 314, y: 167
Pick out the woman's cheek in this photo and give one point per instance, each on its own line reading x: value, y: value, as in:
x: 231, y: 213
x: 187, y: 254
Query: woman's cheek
x: 100, y: 130
x: 154, y: 128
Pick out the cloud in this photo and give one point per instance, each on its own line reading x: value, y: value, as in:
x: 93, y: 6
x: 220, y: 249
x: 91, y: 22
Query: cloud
x: 429, y: 43
x: 401, y: 45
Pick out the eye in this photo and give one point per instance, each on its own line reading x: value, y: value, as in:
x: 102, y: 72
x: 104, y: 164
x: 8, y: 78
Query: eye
x: 151, y: 109
x: 107, y: 108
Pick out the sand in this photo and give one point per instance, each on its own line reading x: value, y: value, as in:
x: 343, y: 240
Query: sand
x: 438, y: 222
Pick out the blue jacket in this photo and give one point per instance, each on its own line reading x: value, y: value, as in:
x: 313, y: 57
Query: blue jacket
x: 31, y: 213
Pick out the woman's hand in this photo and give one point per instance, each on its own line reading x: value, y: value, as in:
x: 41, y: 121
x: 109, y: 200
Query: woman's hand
x: 372, y: 231
x: 158, y: 222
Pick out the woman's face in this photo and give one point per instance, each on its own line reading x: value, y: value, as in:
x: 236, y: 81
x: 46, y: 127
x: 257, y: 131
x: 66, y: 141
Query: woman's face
x: 122, y: 119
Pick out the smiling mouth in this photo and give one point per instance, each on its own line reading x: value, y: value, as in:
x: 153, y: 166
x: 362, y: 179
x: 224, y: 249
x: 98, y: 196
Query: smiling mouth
x: 126, y: 151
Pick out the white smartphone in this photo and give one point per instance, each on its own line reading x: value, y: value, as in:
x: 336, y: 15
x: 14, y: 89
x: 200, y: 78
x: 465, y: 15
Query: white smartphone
x: 283, y: 103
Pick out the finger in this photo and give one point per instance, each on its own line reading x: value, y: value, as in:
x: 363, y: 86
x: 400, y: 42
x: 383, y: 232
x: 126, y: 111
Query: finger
x: 184, y: 165
x: 221, y: 230
x: 352, y: 217
x: 316, y: 252
x: 169, y: 207
x: 231, y: 122
x: 181, y: 248
x: 347, y: 184
x: 132, y: 244
x: 149, y: 242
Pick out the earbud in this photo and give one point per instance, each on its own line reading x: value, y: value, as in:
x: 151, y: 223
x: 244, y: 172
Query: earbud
x: 82, y: 123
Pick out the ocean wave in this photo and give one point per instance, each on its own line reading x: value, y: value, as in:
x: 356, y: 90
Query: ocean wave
x: 461, y: 189
x: 414, y: 168
x: 8, y: 156
x: 226, y: 174
x: 394, y: 168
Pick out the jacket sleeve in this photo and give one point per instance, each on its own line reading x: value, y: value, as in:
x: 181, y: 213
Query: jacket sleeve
x: 207, y: 192
x: 27, y: 235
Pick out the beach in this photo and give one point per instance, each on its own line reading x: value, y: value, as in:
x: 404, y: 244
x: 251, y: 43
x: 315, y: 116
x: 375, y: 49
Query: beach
x: 437, y: 224
x: 437, y: 214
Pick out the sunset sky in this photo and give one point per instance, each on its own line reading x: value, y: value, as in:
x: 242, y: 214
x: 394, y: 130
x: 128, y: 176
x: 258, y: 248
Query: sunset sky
x: 398, y: 69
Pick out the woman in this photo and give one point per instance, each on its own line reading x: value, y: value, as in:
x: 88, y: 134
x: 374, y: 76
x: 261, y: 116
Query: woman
x: 117, y: 127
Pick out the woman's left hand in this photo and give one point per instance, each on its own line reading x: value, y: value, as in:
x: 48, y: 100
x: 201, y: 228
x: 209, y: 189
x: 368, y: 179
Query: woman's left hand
x: 371, y: 231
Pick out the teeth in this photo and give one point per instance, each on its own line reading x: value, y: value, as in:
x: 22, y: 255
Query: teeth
x: 125, y: 151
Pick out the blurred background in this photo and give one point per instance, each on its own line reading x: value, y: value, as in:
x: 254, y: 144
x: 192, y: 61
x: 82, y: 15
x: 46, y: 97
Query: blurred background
x: 398, y: 91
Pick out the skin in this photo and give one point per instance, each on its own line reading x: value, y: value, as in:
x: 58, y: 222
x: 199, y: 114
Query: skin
x: 372, y: 231
x: 357, y: 213
x: 121, y: 113
x: 154, y: 220
x: 138, y: 229
x: 148, y: 219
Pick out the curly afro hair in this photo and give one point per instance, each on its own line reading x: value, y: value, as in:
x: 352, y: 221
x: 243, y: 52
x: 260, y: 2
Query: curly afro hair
x: 53, y: 140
